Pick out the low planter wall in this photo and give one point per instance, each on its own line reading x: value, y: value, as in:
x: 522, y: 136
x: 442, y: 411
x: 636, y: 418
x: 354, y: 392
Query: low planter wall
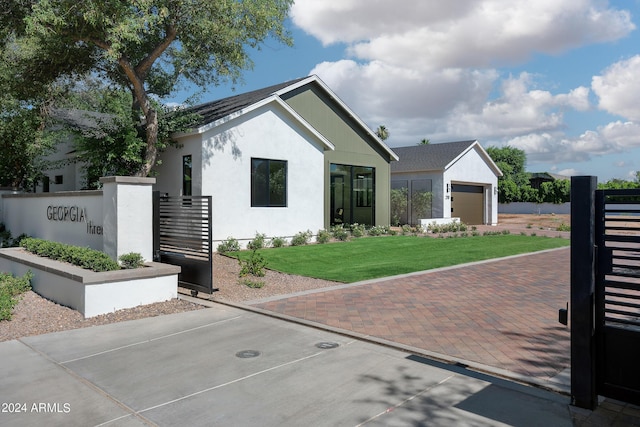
x: 426, y: 223
x: 89, y: 292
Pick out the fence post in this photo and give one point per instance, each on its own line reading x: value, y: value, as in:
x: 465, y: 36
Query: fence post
x: 583, y: 360
x: 128, y: 215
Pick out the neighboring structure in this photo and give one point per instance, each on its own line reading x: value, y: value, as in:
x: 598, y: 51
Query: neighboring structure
x: 459, y: 178
x: 281, y: 160
x: 536, y: 179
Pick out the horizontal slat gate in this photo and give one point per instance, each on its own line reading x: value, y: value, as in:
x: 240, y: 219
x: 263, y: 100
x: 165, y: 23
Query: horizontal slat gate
x: 617, y: 294
x: 183, y: 237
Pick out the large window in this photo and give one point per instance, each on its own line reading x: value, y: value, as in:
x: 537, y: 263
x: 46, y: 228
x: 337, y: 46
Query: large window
x: 352, y: 194
x: 268, y: 183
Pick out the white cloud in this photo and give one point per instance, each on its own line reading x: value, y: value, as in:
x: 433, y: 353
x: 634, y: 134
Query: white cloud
x: 614, y: 137
x: 569, y: 172
x: 619, y: 88
x: 433, y: 34
x: 428, y: 69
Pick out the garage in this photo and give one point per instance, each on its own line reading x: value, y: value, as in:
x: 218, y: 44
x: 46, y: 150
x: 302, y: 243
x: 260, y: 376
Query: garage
x: 467, y: 203
x: 463, y: 183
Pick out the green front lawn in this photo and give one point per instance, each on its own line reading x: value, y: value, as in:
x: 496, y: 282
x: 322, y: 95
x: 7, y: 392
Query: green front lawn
x: 373, y: 257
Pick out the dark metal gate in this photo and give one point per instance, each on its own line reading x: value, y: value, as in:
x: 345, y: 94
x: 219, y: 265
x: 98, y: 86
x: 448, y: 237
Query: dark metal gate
x: 605, y: 293
x: 618, y: 294
x: 183, y: 237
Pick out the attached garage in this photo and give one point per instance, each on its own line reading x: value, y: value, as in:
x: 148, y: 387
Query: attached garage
x: 467, y: 203
x: 462, y: 178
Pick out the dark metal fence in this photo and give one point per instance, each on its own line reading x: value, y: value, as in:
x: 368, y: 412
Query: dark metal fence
x: 183, y: 237
x: 605, y: 293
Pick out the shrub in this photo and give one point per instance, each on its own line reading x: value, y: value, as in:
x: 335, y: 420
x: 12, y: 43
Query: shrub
x: 406, y: 229
x: 278, y: 242
x: 339, y: 233
x: 7, y: 240
x: 90, y: 259
x: 563, y: 227
x: 229, y: 245
x: 323, y: 236
x: 254, y: 265
x: 378, y: 230
x: 357, y: 230
x: 253, y: 284
x: 302, y: 238
x: 131, y: 260
x: 10, y: 289
x: 259, y: 242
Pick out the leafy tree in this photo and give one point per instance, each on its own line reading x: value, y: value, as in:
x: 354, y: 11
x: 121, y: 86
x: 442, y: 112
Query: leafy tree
x: 399, y: 204
x: 146, y: 46
x: 557, y: 191
x: 511, y: 162
x: 22, y: 144
x: 382, y: 132
x: 618, y: 184
x: 106, y: 141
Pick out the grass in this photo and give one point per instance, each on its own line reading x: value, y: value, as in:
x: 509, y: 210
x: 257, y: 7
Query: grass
x: 374, y: 257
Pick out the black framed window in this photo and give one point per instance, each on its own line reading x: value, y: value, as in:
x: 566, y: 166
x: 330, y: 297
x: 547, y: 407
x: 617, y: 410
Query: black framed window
x: 268, y: 183
x: 187, y: 175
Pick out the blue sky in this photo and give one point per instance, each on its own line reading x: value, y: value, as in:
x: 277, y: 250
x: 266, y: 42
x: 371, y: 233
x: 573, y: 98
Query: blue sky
x: 558, y: 79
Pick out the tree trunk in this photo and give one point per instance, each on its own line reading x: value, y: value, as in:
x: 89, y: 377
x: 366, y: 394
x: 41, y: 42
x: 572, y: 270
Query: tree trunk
x: 151, y: 150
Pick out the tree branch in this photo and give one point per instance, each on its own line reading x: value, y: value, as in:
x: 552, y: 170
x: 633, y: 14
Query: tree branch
x: 145, y: 65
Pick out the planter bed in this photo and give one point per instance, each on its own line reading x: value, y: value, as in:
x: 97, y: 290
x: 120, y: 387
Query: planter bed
x: 89, y: 292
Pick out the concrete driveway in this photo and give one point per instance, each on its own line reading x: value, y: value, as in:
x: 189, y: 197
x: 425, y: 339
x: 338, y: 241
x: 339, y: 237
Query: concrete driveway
x: 224, y: 366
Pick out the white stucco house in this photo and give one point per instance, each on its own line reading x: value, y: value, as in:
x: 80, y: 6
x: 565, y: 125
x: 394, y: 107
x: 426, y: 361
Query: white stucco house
x: 281, y: 160
x: 461, y: 177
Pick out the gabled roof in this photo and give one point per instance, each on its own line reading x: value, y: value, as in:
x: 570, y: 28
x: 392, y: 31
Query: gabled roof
x: 437, y: 157
x: 236, y: 105
x: 215, y: 110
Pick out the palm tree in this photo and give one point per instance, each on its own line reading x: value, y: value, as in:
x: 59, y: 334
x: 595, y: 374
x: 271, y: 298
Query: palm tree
x: 382, y: 132
x: 424, y: 141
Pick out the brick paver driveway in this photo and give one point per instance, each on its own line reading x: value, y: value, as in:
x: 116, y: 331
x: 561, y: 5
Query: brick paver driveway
x: 503, y: 314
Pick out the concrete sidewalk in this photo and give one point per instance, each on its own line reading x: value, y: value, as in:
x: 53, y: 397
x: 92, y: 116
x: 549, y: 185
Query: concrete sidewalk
x: 229, y: 367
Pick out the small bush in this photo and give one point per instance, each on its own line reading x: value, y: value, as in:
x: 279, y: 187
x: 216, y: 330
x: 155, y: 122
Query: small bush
x: 278, y: 242
x: 254, y: 265
x: 229, y: 245
x: 302, y: 238
x: 357, y: 230
x: 131, y: 260
x: 87, y: 258
x: 259, y: 242
x: 253, y: 284
x: 7, y: 240
x: 406, y: 229
x: 10, y: 290
x: 323, y: 236
x: 379, y: 230
x: 339, y: 233
x: 563, y: 227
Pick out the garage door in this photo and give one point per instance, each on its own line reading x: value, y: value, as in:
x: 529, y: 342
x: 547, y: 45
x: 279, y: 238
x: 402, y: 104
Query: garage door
x: 467, y: 203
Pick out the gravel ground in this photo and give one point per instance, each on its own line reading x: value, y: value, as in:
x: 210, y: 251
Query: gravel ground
x: 35, y: 315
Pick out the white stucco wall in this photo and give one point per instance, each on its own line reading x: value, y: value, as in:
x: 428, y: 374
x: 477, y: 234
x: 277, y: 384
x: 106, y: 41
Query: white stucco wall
x: 222, y: 169
x: 472, y: 169
x: 38, y: 215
